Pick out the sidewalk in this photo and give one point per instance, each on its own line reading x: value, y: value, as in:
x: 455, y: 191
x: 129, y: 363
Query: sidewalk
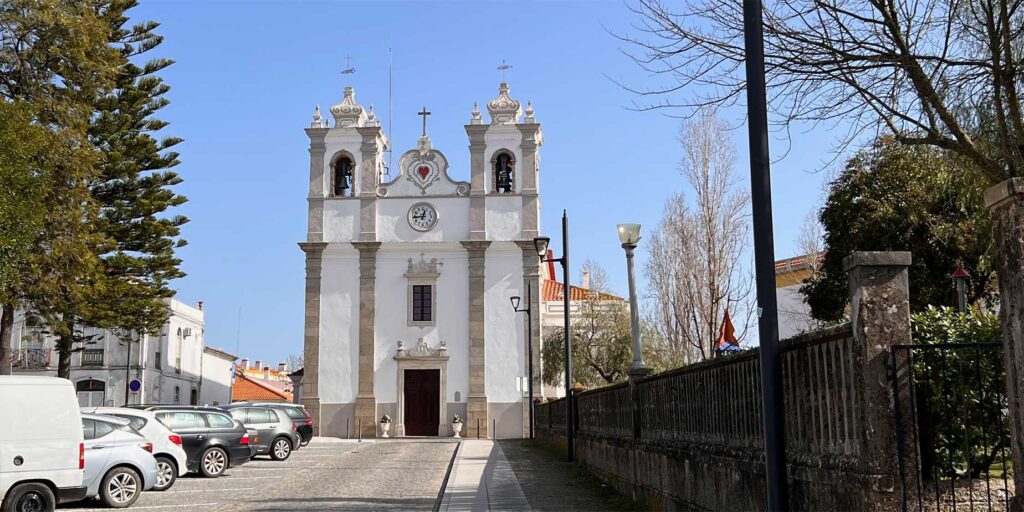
x: 482, y: 479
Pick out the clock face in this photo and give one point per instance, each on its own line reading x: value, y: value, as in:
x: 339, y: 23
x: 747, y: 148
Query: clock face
x: 422, y: 216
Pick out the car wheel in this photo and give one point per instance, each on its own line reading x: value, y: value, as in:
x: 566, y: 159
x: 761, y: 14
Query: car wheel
x: 31, y: 497
x: 281, y: 449
x: 213, y: 463
x: 166, y: 473
x: 120, y: 487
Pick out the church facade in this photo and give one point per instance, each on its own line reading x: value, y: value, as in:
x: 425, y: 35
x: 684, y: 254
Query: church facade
x: 408, y: 280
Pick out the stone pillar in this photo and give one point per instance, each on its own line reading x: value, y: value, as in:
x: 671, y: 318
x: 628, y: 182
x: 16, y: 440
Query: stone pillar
x: 476, y: 399
x: 531, y: 278
x: 1005, y: 202
x: 880, y: 318
x: 477, y: 183
x: 317, y: 147
x: 528, y: 176
x: 366, y: 402
x: 311, y: 330
x: 371, y: 151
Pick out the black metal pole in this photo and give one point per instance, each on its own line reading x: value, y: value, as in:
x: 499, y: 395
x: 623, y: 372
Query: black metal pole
x: 764, y: 257
x: 128, y: 374
x: 568, y: 332
x: 529, y: 347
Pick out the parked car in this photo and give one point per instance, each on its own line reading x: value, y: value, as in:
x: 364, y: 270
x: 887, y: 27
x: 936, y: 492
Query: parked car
x: 119, y: 461
x: 212, y: 439
x: 278, y: 434
x: 171, y: 461
x: 302, y: 420
x: 41, y: 444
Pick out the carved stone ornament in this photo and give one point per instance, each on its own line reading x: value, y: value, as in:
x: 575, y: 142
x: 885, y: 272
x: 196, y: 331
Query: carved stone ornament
x: 348, y: 113
x: 423, y: 267
x: 504, y: 109
x: 530, y: 119
x: 317, y: 119
x: 422, y: 350
x: 477, y: 118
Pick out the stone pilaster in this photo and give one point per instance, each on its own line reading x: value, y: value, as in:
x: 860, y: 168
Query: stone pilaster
x: 371, y: 155
x: 477, y: 182
x: 366, y: 402
x: 532, y: 281
x: 476, y: 403
x: 311, y: 332
x: 528, y: 170
x: 317, y: 148
x: 880, y: 318
x: 1005, y: 202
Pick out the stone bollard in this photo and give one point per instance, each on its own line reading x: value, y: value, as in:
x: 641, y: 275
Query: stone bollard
x: 880, y: 318
x: 1005, y: 202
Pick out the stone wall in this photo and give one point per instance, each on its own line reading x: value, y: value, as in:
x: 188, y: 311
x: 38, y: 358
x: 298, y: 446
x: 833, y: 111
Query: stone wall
x: 696, y: 441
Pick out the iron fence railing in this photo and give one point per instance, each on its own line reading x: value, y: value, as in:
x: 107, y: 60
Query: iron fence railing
x: 31, y: 358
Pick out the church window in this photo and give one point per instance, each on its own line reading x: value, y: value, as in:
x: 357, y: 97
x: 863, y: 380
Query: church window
x: 504, y: 172
x: 343, y: 177
x: 422, y: 303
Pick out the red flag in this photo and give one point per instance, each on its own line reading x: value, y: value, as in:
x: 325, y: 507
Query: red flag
x: 728, y: 333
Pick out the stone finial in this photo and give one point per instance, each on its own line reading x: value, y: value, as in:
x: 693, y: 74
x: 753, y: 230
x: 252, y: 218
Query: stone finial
x: 529, y: 114
x: 317, y: 119
x: 371, y: 117
x: 476, y: 118
x: 504, y: 109
x: 348, y: 113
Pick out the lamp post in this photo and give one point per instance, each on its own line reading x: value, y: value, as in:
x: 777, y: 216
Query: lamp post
x: 541, y: 244
x: 629, y: 235
x: 529, y: 343
x: 764, y: 258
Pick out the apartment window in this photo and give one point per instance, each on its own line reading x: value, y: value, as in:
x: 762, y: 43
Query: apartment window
x: 92, y: 357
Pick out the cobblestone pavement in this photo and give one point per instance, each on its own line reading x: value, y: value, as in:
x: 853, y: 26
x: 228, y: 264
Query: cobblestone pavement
x: 551, y: 483
x: 384, y: 475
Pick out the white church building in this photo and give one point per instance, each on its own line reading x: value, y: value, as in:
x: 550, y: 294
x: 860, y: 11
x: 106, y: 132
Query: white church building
x: 408, y: 280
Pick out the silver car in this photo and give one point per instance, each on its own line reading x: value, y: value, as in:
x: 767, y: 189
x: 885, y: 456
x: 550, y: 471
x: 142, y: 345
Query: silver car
x: 119, y: 462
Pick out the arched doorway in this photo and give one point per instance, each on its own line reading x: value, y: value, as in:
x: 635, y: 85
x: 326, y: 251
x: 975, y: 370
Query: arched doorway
x: 194, y: 399
x: 91, y: 392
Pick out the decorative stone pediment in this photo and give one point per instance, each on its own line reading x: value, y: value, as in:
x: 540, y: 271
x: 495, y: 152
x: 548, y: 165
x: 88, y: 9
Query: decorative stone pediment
x: 424, y: 268
x: 423, y: 171
x: 422, y: 350
x: 504, y: 109
x: 348, y: 113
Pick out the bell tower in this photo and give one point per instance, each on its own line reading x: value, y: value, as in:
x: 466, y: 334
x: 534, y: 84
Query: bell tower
x: 346, y: 163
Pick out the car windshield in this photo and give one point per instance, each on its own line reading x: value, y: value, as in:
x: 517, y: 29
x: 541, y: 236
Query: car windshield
x: 129, y: 429
x: 295, y: 413
x: 136, y: 422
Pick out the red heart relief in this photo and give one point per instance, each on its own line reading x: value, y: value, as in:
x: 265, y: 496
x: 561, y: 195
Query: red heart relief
x: 423, y: 171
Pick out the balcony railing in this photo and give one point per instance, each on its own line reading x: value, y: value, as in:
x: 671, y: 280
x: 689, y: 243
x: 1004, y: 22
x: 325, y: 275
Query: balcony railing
x: 92, y: 357
x: 31, y: 358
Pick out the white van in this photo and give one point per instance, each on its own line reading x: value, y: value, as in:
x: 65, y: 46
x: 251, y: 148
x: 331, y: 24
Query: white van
x: 42, y: 451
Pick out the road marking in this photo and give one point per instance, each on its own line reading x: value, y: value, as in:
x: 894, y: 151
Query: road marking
x: 151, y: 506
x: 215, y: 490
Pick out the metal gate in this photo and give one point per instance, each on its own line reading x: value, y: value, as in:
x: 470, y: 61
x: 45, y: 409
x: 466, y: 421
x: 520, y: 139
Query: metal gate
x: 953, y: 439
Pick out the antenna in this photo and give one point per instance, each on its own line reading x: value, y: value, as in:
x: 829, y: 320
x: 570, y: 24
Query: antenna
x: 503, y: 68
x: 391, y: 143
x: 349, y: 70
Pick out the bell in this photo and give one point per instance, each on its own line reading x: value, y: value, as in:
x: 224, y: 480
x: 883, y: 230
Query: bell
x: 341, y: 182
x: 504, y: 180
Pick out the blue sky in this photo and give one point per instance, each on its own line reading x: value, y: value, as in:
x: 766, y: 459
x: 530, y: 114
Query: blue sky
x: 248, y: 75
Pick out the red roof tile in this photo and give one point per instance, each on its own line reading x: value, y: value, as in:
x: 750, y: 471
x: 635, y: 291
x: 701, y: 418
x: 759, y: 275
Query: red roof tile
x: 247, y: 388
x: 552, y: 291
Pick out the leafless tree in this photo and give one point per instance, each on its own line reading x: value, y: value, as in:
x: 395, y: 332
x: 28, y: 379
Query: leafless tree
x: 695, y: 262
x: 933, y: 72
x: 810, y: 241
x: 294, y: 362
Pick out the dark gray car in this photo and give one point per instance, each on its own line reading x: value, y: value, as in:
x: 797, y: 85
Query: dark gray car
x: 277, y: 433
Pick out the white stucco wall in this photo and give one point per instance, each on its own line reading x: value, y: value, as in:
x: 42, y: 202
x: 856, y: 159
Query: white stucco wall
x: 452, y: 220
x: 503, y: 331
x: 341, y: 219
x: 216, y: 383
x: 452, y: 315
x: 504, y: 218
x: 339, y: 325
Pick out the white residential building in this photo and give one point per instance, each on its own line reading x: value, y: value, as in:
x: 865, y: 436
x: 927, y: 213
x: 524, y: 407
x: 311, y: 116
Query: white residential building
x: 169, y: 367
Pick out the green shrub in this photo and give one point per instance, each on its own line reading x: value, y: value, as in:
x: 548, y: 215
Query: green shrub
x: 960, y: 393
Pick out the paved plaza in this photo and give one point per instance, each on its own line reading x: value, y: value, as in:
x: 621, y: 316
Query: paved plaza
x: 394, y: 474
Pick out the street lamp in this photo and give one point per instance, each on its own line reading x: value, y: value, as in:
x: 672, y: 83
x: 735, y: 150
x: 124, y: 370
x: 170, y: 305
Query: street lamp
x: 529, y: 342
x: 541, y: 244
x: 629, y: 235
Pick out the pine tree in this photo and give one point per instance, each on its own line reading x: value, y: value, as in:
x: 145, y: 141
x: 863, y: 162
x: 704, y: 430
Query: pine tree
x: 54, y: 58
x: 133, y: 192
